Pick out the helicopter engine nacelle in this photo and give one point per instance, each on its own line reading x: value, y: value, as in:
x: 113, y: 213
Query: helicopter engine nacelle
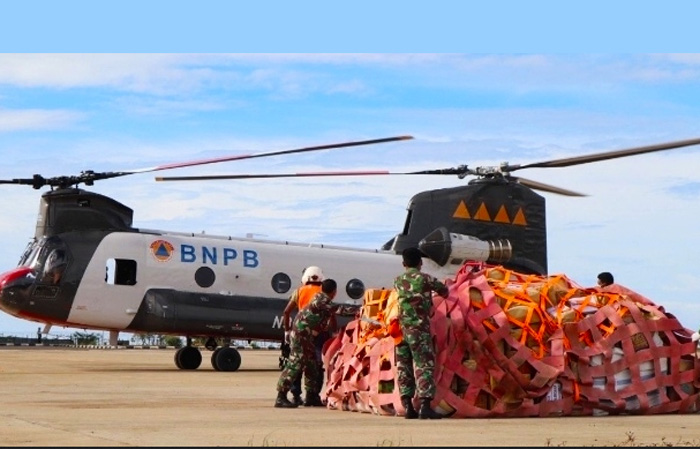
x: 443, y: 246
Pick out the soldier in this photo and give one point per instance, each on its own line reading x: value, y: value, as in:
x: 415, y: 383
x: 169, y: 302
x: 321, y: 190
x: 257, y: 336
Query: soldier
x: 308, y: 322
x: 415, y: 355
x: 311, y: 279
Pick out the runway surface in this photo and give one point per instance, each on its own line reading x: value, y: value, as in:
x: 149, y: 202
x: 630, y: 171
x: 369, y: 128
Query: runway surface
x: 137, y: 397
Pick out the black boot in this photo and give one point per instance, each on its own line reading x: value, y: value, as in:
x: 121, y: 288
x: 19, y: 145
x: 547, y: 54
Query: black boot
x: 426, y: 412
x: 283, y: 402
x: 407, y: 403
x: 297, y: 400
x: 313, y: 400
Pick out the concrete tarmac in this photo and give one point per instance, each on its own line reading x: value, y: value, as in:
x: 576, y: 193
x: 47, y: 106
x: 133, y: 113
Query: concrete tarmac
x: 137, y: 397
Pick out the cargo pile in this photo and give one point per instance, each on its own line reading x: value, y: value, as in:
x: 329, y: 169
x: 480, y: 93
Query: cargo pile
x: 515, y: 345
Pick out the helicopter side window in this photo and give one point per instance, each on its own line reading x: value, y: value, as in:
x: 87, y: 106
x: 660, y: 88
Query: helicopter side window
x: 120, y: 272
x: 281, y: 282
x: 355, y: 288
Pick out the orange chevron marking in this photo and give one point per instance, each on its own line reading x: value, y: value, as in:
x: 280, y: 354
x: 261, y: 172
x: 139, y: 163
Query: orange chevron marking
x: 519, y: 218
x: 482, y: 213
x: 502, y: 216
x: 461, y: 211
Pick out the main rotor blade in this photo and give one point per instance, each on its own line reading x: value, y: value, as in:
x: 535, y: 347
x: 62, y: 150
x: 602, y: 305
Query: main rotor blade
x: 88, y: 177
x: 607, y: 155
x: 461, y: 171
x: 545, y: 187
x: 277, y: 175
x: 266, y: 154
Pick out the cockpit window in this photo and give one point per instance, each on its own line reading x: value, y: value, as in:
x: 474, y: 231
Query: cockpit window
x: 54, y: 266
x: 51, y: 262
x: 29, y: 255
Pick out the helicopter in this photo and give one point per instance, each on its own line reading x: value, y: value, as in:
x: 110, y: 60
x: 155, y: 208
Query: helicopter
x: 88, y: 267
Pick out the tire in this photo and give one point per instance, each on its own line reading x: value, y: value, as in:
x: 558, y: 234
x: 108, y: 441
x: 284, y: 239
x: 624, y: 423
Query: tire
x: 226, y: 359
x: 188, y: 358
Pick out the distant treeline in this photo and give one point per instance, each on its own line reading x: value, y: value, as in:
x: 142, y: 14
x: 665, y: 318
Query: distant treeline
x: 60, y: 341
x: 88, y: 338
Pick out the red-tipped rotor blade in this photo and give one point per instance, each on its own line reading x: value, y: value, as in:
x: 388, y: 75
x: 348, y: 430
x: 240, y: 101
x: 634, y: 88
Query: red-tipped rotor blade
x: 446, y: 171
x: 265, y: 154
x: 278, y: 175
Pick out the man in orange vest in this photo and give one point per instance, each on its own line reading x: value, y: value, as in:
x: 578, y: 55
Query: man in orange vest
x: 309, y: 322
x: 311, y: 280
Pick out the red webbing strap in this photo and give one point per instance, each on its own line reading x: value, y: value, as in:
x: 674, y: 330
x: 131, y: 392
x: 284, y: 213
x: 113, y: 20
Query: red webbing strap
x: 643, y: 366
x: 341, y: 367
x: 381, y: 363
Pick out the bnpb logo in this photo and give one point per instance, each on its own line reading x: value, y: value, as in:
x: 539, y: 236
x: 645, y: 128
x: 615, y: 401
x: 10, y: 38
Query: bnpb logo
x: 162, y: 250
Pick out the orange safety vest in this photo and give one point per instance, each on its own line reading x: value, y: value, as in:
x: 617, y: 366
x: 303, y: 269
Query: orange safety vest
x: 306, y: 294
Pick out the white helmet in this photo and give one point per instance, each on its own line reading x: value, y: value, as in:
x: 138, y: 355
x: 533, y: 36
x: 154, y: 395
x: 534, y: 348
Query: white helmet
x: 312, y: 274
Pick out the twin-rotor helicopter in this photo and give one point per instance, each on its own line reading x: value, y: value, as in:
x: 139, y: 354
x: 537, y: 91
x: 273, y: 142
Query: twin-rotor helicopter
x: 88, y: 267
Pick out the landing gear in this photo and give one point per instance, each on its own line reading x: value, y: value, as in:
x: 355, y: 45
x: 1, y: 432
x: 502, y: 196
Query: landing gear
x: 188, y: 357
x: 211, y: 343
x: 224, y: 358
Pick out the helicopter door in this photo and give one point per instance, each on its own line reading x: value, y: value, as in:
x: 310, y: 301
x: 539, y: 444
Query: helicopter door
x: 120, y: 272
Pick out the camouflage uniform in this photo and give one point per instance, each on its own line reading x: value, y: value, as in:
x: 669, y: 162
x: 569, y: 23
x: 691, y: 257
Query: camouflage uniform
x: 311, y: 320
x: 415, y: 289
x: 311, y: 288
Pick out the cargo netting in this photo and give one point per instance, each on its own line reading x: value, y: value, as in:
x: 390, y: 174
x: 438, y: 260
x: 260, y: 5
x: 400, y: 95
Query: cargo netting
x: 515, y: 345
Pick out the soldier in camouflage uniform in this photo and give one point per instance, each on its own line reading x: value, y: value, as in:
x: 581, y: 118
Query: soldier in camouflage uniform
x: 415, y: 355
x: 318, y: 315
x: 311, y: 279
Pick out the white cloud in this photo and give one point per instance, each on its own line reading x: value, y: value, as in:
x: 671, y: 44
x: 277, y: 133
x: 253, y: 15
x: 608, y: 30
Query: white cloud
x: 34, y: 119
x: 294, y: 74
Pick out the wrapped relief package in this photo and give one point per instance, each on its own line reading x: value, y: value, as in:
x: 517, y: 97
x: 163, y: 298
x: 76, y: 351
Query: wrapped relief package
x: 510, y: 344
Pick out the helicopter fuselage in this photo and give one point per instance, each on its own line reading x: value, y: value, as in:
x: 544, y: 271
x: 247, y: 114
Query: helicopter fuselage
x: 87, y: 267
x: 173, y: 283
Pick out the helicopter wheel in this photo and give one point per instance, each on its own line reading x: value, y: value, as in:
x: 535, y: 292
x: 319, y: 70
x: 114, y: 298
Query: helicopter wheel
x: 188, y: 357
x: 226, y: 359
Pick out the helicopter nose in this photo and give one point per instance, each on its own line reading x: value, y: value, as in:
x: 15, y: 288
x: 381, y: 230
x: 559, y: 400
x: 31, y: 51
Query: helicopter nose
x: 17, y: 277
x: 9, y: 278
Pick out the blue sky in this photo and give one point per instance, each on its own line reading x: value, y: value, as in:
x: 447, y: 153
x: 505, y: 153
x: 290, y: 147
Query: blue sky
x: 106, y: 89
x: 313, y: 26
